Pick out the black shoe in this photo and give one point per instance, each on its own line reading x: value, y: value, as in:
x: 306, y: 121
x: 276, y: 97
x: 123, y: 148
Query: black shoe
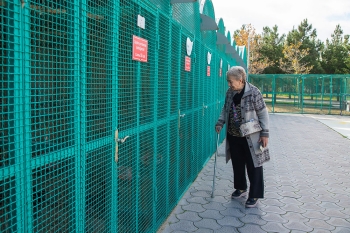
x: 251, y: 202
x: 238, y: 193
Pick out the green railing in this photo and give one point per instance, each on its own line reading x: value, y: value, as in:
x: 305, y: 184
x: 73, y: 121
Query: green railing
x: 69, y: 86
x: 312, y: 93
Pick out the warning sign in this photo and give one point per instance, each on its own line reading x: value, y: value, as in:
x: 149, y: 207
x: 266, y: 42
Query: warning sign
x: 220, y: 72
x: 187, y: 63
x: 139, y: 49
x: 208, y: 71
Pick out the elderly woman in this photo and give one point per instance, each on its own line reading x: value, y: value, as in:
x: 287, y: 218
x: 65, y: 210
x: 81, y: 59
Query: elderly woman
x: 244, y: 103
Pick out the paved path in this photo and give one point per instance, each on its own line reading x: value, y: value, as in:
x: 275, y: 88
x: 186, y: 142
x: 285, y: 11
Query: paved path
x: 307, y: 186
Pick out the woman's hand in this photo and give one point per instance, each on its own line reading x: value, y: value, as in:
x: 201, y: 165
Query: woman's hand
x: 264, y: 141
x: 218, y: 129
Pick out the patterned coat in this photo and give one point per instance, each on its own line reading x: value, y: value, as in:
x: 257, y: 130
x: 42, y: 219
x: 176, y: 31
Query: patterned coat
x: 252, y: 107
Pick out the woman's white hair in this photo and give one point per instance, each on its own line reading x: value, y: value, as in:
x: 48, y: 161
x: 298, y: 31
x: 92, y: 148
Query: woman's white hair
x: 237, y: 72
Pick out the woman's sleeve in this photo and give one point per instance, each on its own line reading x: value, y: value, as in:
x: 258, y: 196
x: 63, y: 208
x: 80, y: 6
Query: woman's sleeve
x: 262, y: 113
x: 221, y: 120
x: 222, y: 117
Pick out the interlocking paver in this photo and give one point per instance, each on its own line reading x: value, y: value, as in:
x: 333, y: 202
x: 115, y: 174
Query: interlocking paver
x: 272, y: 202
x: 183, y: 201
x: 321, y: 231
x: 330, y: 205
x: 335, y: 213
x: 291, y: 216
x: 293, y: 208
x: 194, y: 207
x: 289, y: 194
x: 173, y: 219
x: 204, y: 230
x: 234, y: 212
x: 183, y: 225
x: 338, y: 222
x: 211, y: 214
x: 258, y: 210
x: 327, y: 198
x: 219, y: 199
x: 274, y: 218
x: 227, y: 230
x: 198, y: 200
x: 300, y: 226
x: 189, y: 215
x: 274, y: 209
x: 249, y: 228
x: 288, y: 200
x: 230, y: 221
x: 178, y: 210
x: 315, y: 215
x: 214, y: 206
x: 234, y: 203
x: 311, y: 206
x: 253, y: 218
x: 341, y: 230
x: 307, y: 188
x: 319, y: 224
x: 207, y: 224
x: 201, y: 194
x: 308, y: 199
x: 272, y: 195
x: 275, y: 227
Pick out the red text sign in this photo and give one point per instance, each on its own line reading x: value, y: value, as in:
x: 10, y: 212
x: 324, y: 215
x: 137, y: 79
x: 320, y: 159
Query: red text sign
x: 139, y: 49
x: 187, y: 63
x: 208, y: 71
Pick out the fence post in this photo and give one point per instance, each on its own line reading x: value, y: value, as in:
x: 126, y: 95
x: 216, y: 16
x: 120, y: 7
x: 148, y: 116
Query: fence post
x: 273, y: 92
x: 79, y: 199
x: 26, y: 94
x: 330, y: 95
x: 81, y: 194
x: 115, y: 78
x: 302, y: 94
x: 15, y: 111
x: 322, y: 90
x: 155, y: 132
x: 295, y: 88
x: 316, y: 91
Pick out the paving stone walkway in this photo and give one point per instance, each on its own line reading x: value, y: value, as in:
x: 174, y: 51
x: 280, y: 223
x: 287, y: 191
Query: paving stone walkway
x: 307, y: 186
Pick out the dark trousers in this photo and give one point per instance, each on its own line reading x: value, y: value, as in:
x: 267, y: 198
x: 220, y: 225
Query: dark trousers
x: 241, y: 158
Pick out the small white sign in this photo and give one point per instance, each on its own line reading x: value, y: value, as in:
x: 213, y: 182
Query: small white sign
x: 209, y: 58
x: 189, y: 45
x: 221, y: 63
x: 141, y: 22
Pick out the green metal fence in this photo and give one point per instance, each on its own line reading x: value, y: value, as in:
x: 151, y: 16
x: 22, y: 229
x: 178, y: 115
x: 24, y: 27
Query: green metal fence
x: 315, y: 94
x: 70, y: 88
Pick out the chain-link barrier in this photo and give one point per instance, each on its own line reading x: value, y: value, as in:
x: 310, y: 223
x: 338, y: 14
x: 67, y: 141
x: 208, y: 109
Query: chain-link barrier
x: 107, y: 110
x: 312, y: 93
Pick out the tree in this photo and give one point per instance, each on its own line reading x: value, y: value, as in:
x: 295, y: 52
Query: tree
x: 335, y: 58
x: 308, y: 38
x: 241, y: 35
x: 257, y: 62
x: 293, y: 59
x: 271, y: 48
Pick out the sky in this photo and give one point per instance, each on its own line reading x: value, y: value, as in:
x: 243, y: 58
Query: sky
x: 324, y: 15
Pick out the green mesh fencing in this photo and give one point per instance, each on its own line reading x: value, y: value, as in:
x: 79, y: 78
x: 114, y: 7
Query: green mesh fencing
x: 314, y: 94
x: 70, y: 88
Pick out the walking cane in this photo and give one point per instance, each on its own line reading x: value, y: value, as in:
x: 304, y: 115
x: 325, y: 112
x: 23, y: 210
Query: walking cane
x: 216, y: 153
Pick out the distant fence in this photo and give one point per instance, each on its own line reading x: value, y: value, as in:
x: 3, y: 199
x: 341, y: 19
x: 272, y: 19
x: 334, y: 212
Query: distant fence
x: 77, y: 78
x: 314, y: 94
